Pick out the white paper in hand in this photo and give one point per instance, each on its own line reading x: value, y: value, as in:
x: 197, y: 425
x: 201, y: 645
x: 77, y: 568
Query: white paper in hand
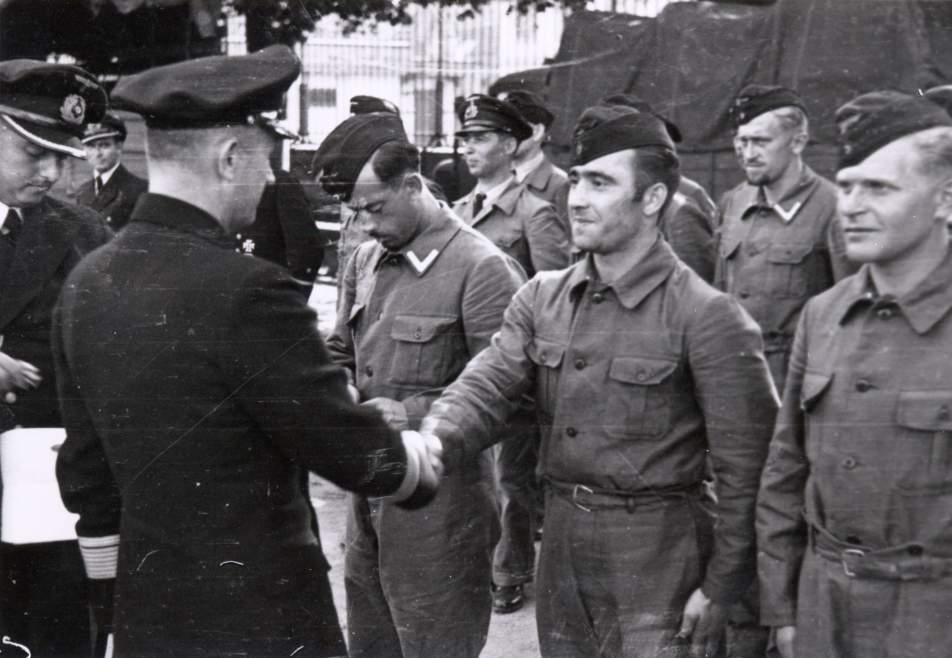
x: 33, y: 511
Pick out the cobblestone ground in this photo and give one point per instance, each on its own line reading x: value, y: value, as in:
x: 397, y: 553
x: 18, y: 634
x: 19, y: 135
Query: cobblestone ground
x: 510, y: 636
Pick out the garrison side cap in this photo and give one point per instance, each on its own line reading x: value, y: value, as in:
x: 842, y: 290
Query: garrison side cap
x: 754, y: 100
x: 871, y: 121
x: 366, y: 104
x: 941, y: 96
x: 481, y: 113
x: 642, y: 105
x: 212, y: 91
x: 348, y: 147
x: 604, y: 129
x: 50, y: 104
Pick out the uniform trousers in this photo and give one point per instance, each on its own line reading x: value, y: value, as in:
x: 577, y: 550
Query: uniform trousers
x: 613, y: 581
x: 839, y: 616
x: 418, y: 582
x: 516, y: 492
x: 43, y: 599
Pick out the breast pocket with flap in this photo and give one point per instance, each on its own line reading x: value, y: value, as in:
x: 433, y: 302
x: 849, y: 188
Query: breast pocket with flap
x: 788, y: 270
x: 639, y: 394
x: 423, y: 349
x: 547, y: 355
x: 923, y: 504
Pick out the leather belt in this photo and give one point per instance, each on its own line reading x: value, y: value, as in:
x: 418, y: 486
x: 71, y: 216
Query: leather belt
x: 588, y: 498
x: 905, y: 562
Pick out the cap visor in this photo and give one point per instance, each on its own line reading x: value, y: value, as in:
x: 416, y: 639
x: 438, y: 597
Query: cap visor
x: 480, y: 128
x: 93, y: 138
x: 275, y: 128
x: 46, y: 137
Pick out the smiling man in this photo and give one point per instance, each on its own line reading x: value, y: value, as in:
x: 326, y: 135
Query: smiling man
x: 778, y: 240
x: 640, y: 370
x: 853, y: 516
x: 417, y: 303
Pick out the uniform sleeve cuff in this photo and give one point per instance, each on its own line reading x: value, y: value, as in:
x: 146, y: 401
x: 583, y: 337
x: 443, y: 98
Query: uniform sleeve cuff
x: 411, y: 478
x: 100, y: 556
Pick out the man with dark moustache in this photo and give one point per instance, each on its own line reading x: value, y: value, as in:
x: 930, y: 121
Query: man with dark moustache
x: 43, y: 110
x: 351, y: 233
x: 641, y: 372
x: 197, y: 392
x: 853, y: 516
x: 528, y: 229
x: 113, y: 190
x: 418, y: 302
x: 779, y: 241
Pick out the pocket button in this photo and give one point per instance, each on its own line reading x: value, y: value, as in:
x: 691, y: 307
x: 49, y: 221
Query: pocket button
x: 571, y: 431
x: 849, y: 463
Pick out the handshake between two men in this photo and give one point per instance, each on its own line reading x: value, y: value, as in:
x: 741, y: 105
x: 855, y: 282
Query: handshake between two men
x: 425, y: 464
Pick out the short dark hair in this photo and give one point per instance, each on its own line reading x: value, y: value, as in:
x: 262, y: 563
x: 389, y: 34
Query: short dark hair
x: 656, y: 164
x: 394, y: 160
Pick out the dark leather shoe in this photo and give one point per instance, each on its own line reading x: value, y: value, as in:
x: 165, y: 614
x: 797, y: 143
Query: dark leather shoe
x: 507, y: 598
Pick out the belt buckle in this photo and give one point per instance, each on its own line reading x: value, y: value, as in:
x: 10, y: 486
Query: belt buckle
x: 575, y: 492
x: 856, y: 552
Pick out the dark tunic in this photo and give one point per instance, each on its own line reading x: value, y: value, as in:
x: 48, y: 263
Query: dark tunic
x: 195, y: 392
x: 117, y: 197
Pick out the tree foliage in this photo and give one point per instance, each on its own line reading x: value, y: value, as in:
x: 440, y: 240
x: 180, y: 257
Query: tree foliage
x: 289, y: 21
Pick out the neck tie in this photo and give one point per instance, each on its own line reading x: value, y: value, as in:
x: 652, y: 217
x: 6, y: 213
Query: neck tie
x: 478, y: 201
x: 98, y: 184
x: 9, y: 233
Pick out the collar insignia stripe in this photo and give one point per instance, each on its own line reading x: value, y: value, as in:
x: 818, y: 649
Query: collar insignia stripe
x: 422, y: 266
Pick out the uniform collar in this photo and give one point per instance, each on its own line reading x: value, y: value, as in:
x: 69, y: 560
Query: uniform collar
x: 923, y: 306
x: 180, y: 215
x: 506, y: 202
x: 5, y: 210
x: 524, y: 170
x: 106, y: 175
x: 788, y: 206
x: 423, y: 250
x: 493, y: 193
x: 635, y: 284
